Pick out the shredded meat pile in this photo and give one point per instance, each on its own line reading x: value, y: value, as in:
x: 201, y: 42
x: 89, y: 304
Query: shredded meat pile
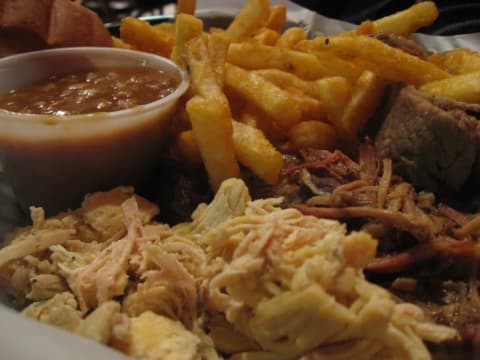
x: 416, y: 233
x: 242, y: 279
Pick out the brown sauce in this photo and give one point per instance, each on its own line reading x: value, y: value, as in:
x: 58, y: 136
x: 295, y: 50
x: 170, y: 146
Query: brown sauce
x: 98, y: 90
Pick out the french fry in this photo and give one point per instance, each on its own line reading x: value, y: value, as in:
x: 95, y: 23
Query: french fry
x: 314, y: 134
x: 186, y: 6
x: 217, y: 50
x: 251, y: 116
x: 253, y: 56
x: 334, y: 92
x: 204, y: 77
x: 311, y: 107
x: 367, y: 93
x: 409, y: 20
x: 251, y: 17
x: 291, y: 37
x: 438, y: 59
x: 168, y: 27
x: 255, y: 152
x: 366, y: 27
x: 385, y: 61
x: 305, y: 92
x: 277, y: 17
x: 186, y: 28
x: 209, y: 110
x: 251, y: 147
x: 143, y: 36
x: 334, y: 65
x: 266, y: 36
x: 212, y: 126
x: 465, y: 87
x: 457, y: 61
x: 119, y: 43
x: 285, y: 79
x: 273, y: 101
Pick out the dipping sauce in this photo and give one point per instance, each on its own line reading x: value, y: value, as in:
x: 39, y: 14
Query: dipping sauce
x: 98, y: 90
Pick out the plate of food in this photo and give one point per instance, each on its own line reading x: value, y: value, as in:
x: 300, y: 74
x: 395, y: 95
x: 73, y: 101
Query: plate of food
x: 261, y: 187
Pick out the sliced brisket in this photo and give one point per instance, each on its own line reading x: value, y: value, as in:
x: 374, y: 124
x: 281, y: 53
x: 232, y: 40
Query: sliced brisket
x: 432, y: 141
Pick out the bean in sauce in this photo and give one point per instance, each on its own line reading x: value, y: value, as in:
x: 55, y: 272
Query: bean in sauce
x: 98, y: 90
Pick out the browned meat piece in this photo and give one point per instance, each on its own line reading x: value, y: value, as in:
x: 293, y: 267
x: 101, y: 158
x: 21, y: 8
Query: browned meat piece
x: 404, y: 260
x: 401, y: 42
x: 421, y: 227
x: 35, y: 24
x: 432, y: 141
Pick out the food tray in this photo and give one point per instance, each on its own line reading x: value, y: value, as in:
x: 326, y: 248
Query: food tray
x: 52, y: 344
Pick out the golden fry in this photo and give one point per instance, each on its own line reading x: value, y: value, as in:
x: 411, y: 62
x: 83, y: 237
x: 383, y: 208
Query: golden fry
x: 251, y: 116
x: 186, y: 28
x: 251, y: 147
x: 119, y: 43
x: 253, y: 16
x: 334, y: 92
x: 465, y: 87
x: 385, y: 61
x: 366, y: 27
x: 438, y: 59
x: 285, y: 79
x: 143, y: 36
x: 254, y: 56
x: 331, y: 93
x: 311, y: 107
x: 204, y: 76
x: 367, y: 94
x: 277, y: 17
x: 186, y: 6
x: 334, y: 65
x: 213, y: 131
x: 409, y: 20
x: 457, y: 61
x: 291, y: 37
x: 266, y: 36
x: 314, y: 134
x: 217, y: 50
x: 168, y: 27
x: 273, y: 101
x: 254, y: 151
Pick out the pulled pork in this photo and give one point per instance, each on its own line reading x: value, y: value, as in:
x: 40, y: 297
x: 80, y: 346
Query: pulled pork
x: 416, y: 233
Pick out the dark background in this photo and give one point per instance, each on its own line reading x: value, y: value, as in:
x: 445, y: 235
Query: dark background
x: 456, y: 17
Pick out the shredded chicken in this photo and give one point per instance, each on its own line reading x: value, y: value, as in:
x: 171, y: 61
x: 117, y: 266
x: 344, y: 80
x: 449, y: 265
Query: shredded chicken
x: 61, y: 310
x: 277, y: 274
x: 99, y: 324
x: 170, y: 291
x: 34, y: 243
x: 106, y: 277
x: 244, y: 277
x: 101, y: 210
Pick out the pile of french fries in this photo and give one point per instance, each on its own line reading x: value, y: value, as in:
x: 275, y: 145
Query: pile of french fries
x: 256, y: 88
